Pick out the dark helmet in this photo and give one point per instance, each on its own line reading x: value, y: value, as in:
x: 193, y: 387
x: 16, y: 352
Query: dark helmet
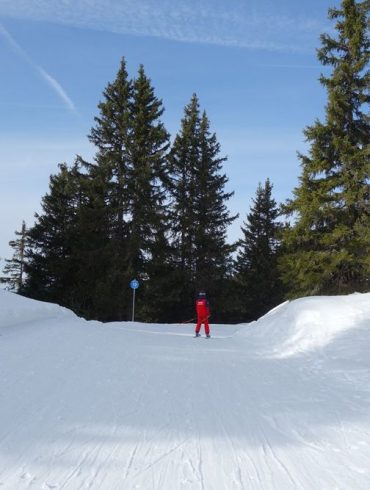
x: 201, y: 295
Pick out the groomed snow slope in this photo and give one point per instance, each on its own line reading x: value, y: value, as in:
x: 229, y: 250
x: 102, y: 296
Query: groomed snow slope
x: 279, y: 404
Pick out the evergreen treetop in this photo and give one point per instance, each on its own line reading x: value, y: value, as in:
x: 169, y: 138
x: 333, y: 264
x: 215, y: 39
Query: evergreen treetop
x: 327, y: 246
x: 199, y: 216
x: 257, y: 276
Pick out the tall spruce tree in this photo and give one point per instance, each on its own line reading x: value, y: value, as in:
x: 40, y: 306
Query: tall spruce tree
x: 327, y: 247
x: 14, y: 269
x: 132, y: 144
x: 258, y: 285
x: 111, y: 136
x: 199, y: 214
x: 108, y: 202
x: 147, y: 184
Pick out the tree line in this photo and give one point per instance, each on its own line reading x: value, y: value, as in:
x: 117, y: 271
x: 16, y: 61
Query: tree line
x: 157, y: 211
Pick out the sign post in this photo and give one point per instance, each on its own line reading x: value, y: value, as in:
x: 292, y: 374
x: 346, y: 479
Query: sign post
x: 134, y: 284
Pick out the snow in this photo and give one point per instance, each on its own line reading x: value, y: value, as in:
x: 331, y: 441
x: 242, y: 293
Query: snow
x: 279, y: 404
x: 308, y: 324
x: 15, y: 310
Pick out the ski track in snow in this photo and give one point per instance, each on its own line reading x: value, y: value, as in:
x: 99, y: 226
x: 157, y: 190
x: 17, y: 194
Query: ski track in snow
x: 85, y: 405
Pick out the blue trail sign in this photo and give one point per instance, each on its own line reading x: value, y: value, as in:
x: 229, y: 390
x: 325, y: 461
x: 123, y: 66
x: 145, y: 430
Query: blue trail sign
x: 134, y: 284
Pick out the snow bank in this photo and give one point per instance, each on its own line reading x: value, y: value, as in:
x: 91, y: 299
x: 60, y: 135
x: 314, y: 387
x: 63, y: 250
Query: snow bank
x: 308, y: 324
x: 15, y: 309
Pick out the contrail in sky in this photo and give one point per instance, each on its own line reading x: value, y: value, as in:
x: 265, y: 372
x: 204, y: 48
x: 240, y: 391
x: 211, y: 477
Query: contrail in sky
x: 52, y: 82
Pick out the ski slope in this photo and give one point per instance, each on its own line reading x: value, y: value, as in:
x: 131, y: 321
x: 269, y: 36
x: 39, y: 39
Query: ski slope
x: 278, y: 404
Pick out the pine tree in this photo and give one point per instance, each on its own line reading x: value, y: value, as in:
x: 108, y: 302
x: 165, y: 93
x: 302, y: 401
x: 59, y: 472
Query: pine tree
x: 92, y: 249
x: 102, y: 217
x: 258, y: 284
x: 148, y: 180
x: 184, y: 159
x: 199, y: 214
x: 111, y: 136
x: 14, y: 268
x: 50, y: 262
x: 326, y: 249
x: 131, y: 158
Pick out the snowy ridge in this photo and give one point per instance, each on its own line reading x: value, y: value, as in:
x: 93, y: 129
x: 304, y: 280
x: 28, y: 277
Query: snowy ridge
x: 279, y: 404
x: 308, y: 324
x: 16, y: 309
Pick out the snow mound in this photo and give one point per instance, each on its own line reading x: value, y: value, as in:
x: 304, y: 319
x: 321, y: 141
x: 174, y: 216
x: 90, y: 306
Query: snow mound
x: 308, y: 324
x: 15, y: 309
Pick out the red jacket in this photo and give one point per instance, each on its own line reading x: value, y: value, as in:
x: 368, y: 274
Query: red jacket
x: 202, y: 308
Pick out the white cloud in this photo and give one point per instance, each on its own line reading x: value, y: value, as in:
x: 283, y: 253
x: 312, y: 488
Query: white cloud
x: 52, y: 82
x: 243, y: 23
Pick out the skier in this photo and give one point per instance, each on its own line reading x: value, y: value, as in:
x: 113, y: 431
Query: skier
x: 203, y: 313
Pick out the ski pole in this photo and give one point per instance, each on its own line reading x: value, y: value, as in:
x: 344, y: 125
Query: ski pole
x: 188, y: 321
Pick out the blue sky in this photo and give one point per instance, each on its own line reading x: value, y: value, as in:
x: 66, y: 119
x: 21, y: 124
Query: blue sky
x: 251, y: 62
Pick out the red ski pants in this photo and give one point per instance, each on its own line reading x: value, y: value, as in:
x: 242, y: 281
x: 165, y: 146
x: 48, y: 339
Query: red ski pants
x: 202, y: 319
